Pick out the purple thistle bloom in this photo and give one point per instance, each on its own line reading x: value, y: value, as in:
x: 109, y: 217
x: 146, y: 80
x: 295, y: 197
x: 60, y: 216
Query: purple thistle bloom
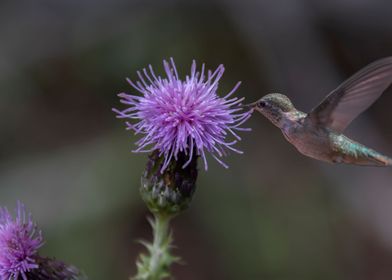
x: 19, y: 242
x: 183, y: 115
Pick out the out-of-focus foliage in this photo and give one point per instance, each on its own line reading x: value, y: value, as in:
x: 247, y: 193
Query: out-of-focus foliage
x: 273, y: 215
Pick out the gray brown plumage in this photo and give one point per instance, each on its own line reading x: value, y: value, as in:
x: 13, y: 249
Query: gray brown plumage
x: 319, y: 133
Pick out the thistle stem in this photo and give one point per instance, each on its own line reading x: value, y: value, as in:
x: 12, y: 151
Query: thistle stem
x: 160, y: 245
x: 156, y: 265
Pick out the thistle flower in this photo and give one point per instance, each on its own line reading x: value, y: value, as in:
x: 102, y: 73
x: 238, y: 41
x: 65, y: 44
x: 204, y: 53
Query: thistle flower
x: 19, y: 243
x: 183, y: 116
x: 180, y: 120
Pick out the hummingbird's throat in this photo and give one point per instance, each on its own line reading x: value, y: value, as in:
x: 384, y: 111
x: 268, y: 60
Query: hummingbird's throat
x: 275, y: 117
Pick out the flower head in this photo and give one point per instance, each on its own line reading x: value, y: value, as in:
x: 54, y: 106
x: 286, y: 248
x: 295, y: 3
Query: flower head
x: 183, y: 116
x: 19, y: 243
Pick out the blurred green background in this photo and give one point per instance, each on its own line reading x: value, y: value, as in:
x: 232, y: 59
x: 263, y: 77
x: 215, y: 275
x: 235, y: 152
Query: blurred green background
x: 273, y: 215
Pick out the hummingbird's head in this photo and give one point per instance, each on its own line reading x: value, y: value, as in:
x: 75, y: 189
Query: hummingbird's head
x: 274, y: 106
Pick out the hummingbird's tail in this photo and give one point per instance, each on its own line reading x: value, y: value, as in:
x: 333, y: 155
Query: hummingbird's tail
x: 366, y: 156
x: 382, y: 160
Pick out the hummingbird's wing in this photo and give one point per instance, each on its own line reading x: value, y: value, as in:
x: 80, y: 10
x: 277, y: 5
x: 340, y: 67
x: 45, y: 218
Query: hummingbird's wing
x: 353, y: 96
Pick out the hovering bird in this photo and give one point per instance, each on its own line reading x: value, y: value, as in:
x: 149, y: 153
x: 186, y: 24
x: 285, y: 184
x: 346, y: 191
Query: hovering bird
x: 319, y: 134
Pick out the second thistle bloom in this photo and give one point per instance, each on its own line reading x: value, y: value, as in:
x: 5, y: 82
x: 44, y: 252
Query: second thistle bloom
x: 183, y: 116
x: 19, y: 243
x: 20, y: 240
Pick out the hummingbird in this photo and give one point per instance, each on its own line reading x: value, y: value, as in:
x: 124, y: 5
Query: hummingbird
x: 319, y: 134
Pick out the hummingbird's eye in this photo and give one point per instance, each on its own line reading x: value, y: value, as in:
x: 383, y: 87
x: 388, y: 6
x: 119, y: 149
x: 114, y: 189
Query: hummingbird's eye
x: 262, y: 104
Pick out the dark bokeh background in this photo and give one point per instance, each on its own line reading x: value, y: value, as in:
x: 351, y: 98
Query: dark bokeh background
x: 273, y: 215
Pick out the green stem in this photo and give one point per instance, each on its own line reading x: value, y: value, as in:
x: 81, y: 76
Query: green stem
x: 159, y: 245
x: 156, y: 265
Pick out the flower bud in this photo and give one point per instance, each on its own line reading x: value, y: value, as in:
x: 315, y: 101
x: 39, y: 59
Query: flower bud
x: 169, y: 192
x: 54, y: 270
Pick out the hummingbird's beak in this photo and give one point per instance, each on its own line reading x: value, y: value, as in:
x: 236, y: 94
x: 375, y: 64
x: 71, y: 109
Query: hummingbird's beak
x: 250, y: 105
